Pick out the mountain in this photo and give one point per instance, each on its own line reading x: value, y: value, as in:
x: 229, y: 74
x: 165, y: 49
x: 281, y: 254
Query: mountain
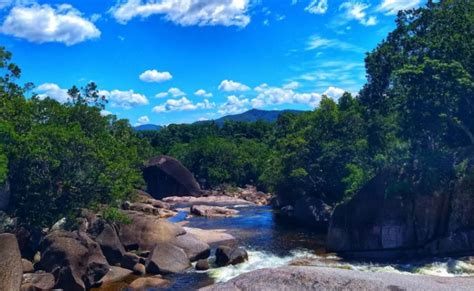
x: 255, y: 115
x: 144, y: 127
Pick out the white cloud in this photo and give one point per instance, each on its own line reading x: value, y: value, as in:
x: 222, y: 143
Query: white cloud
x: 391, y: 7
x: 183, y: 104
x: 44, y: 23
x: 143, y: 120
x: 155, y: 76
x: 234, y: 105
x: 203, y: 118
x: 292, y: 85
x: 317, y: 42
x: 230, y: 86
x: 175, y: 92
x: 52, y: 91
x: 124, y: 99
x: 317, y: 7
x: 334, y: 92
x: 105, y: 113
x: 357, y: 11
x: 268, y: 95
x: 203, y: 93
x: 186, y: 12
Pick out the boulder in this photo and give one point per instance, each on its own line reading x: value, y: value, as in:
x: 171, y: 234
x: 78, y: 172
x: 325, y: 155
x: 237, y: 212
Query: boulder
x: 11, y: 268
x: 143, y: 284
x: 230, y: 256
x: 38, y: 281
x: 145, y: 231
x: 115, y: 274
x: 166, y: 176
x: 211, y: 200
x: 210, y: 236
x: 213, y: 211
x: 320, y: 278
x: 167, y: 259
x: 194, y: 248
x: 110, y: 244
x: 202, y: 265
x: 312, y: 212
x: 27, y: 266
x: 139, y: 269
x: 74, y: 258
x: 129, y: 260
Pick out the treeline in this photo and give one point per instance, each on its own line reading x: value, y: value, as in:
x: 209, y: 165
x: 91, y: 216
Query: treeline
x: 416, y: 114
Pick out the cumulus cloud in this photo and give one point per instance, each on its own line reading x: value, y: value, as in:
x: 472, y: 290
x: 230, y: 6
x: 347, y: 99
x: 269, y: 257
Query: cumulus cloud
x: 44, y: 23
x: 143, y: 120
x: 52, y: 91
x: 317, y: 42
x: 183, y: 104
x: 232, y: 86
x: 391, y: 7
x: 268, y: 95
x: 203, y: 93
x: 317, y: 6
x: 124, y: 99
x: 334, y: 92
x: 154, y: 76
x: 186, y: 12
x: 175, y: 92
x: 357, y: 11
x: 105, y: 113
x: 234, y: 105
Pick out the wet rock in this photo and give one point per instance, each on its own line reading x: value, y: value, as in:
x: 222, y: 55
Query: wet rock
x: 144, y: 231
x: 212, y: 200
x: 129, y: 260
x: 75, y: 259
x: 38, y: 281
x: 230, y: 256
x: 167, y: 258
x: 194, y: 248
x: 202, y: 265
x: 141, y: 284
x: 27, y: 266
x: 115, y: 274
x: 139, y: 269
x: 210, y: 236
x: 11, y: 269
x: 213, y: 211
x: 110, y: 244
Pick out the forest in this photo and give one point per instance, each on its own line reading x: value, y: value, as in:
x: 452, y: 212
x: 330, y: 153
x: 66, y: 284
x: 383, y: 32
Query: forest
x: 415, y: 114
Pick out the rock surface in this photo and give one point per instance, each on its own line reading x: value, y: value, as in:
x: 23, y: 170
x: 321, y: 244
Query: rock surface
x: 167, y: 259
x: 319, y: 278
x: 141, y: 284
x: 75, y: 259
x: 166, y: 176
x: 210, y: 236
x: 213, y: 200
x: 115, y: 274
x: 27, y: 266
x: 11, y: 268
x: 213, y: 211
x: 202, y: 265
x: 38, y: 281
x: 230, y: 256
x: 194, y: 248
x: 110, y: 244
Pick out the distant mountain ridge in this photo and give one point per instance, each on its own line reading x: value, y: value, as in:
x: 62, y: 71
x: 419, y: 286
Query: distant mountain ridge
x: 145, y: 127
x: 254, y: 115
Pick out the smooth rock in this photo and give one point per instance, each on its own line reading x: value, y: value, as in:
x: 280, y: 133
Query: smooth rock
x: 27, y: 266
x: 194, y: 248
x: 213, y: 211
x: 129, y: 260
x: 142, y: 284
x: 202, y: 265
x: 11, y: 268
x: 230, y: 256
x: 214, y: 200
x: 38, y: 281
x: 110, y: 244
x: 210, y: 236
x: 115, y: 274
x: 166, y: 259
x: 139, y: 269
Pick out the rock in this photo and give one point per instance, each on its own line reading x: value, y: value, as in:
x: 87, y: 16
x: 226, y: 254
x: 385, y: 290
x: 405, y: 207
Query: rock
x: 230, y: 256
x: 27, y: 266
x: 142, y: 284
x: 202, y: 265
x: 381, y: 221
x: 166, y: 176
x: 115, y: 274
x: 320, y: 278
x: 38, y: 281
x: 212, y: 200
x: 59, y: 225
x: 29, y: 239
x: 210, y: 236
x: 11, y: 269
x: 129, y: 260
x: 145, y: 231
x: 194, y: 248
x: 110, y: 244
x: 4, y: 195
x: 167, y: 258
x: 213, y: 211
x: 139, y: 269
x: 312, y: 212
x: 74, y: 258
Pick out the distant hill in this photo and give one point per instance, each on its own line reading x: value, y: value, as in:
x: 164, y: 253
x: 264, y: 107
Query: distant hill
x: 144, y: 127
x: 255, y: 115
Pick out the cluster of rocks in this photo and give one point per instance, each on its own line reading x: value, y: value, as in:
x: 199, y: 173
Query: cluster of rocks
x: 249, y: 193
x: 308, y: 211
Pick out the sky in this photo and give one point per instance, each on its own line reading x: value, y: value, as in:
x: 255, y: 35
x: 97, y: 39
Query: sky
x: 180, y: 61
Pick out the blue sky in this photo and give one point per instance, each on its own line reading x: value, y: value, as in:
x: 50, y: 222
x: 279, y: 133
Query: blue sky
x: 178, y: 61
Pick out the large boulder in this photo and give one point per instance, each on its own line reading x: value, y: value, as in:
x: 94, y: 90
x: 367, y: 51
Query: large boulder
x: 319, y: 278
x: 213, y: 211
x: 110, y: 244
x: 143, y: 284
x: 167, y: 259
x: 230, y: 256
x: 388, y: 219
x: 11, y: 268
x: 74, y: 258
x: 144, y: 231
x: 166, y: 176
x: 194, y: 248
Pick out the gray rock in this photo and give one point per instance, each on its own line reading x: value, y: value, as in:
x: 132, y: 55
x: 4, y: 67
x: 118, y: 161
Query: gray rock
x: 38, y: 281
x: 11, y: 268
x: 213, y: 211
x: 167, y: 258
x: 110, y: 244
x: 194, y: 248
x: 129, y: 260
x: 27, y: 266
x: 115, y: 274
x: 230, y: 256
